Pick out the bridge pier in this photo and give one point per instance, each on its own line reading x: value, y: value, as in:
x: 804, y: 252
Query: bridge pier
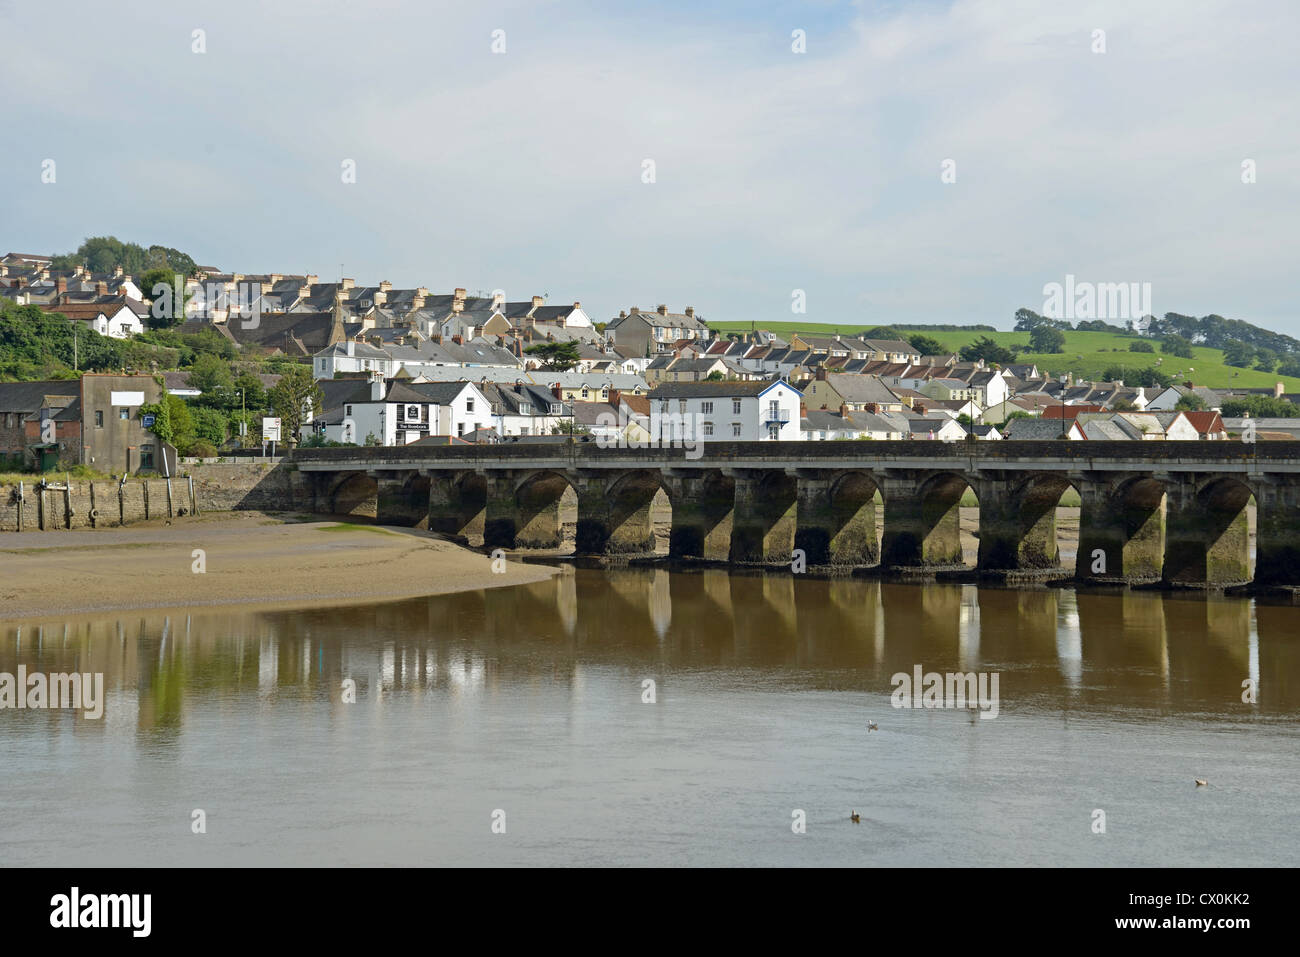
x: 836, y: 518
x: 1207, y: 533
x: 614, y: 511
x: 523, y: 509
x: 1017, y: 521
x: 704, y: 503
x: 1277, y: 530
x: 1121, y: 528
x: 458, y: 504
x: 765, y: 510
x: 922, y: 519
x: 402, y: 498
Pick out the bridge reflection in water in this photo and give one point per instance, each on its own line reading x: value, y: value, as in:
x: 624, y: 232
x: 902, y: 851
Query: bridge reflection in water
x: 1056, y: 650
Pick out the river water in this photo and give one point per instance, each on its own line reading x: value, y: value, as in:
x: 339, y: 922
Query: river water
x: 533, y: 701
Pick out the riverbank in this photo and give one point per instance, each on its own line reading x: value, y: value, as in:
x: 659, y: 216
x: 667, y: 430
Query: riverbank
x: 247, y: 558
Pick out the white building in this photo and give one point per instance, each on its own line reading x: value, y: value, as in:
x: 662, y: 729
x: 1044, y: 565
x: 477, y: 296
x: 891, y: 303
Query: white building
x: 729, y: 411
x: 398, y: 413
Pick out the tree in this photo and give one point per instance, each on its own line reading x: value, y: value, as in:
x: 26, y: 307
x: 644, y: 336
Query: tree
x: 1141, y: 346
x: 1190, y: 403
x: 212, y: 377
x: 254, y: 393
x: 1261, y: 407
x: 1123, y: 405
x: 1047, y: 339
x: 925, y: 345
x: 167, y: 303
x: 1150, y: 378
x: 296, y: 396
x: 1290, y: 367
x: 1176, y: 345
x: 1238, y: 354
x: 715, y: 376
x: 555, y: 356
x: 1265, y: 360
x: 1027, y: 320
x: 210, y: 425
x: 988, y: 350
x: 106, y: 253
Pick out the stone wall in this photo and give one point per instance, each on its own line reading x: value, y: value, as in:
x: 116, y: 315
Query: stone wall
x: 105, y: 504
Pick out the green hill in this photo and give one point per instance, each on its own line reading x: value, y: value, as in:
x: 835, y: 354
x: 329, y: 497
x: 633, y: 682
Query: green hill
x: 1086, y: 354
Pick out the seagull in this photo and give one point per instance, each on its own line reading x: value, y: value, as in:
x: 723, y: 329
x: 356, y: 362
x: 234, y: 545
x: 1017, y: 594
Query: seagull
x: 871, y: 726
x: 855, y: 818
x: 1201, y: 782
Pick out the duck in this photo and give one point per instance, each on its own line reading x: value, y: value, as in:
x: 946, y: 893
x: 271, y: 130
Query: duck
x: 871, y: 726
x: 1201, y: 782
x: 855, y: 818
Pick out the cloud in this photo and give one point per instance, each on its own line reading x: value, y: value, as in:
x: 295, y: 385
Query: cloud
x: 775, y: 170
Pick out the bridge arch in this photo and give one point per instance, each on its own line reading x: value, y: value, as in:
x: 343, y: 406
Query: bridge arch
x: 458, y: 504
x: 1017, y: 522
x: 837, y: 517
x: 923, y: 518
x: 353, y: 494
x: 1207, y: 532
x: 616, y: 511
x: 537, y: 498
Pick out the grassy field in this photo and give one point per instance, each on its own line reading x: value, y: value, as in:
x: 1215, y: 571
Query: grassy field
x: 1086, y: 354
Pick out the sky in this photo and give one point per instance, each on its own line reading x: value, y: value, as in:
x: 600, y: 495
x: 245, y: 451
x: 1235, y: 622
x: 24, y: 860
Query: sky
x: 921, y: 162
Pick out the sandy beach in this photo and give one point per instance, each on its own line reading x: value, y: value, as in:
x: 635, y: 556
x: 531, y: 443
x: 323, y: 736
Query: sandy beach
x: 248, y: 558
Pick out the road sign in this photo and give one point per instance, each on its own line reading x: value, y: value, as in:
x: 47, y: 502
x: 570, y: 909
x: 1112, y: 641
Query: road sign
x: 147, y: 421
x: 271, y: 429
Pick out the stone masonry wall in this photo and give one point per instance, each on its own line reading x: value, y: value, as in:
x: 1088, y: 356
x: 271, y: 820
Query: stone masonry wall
x: 105, y: 504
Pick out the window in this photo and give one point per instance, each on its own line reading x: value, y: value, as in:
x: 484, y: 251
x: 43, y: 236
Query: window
x: 146, y: 456
x: 735, y: 407
x: 774, y: 432
x: 525, y: 408
x: 124, y: 414
x: 99, y: 418
x: 469, y: 404
x: 584, y: 393
x: 349, y: 410
x: 555, y: 408
x: 707, y: 408
x: 681, y: 406
x: 735, y: 429
x: 708, y: 428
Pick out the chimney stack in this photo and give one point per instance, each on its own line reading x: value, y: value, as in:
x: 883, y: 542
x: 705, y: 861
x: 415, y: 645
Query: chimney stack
x: 690, y: 311
x: 101, y: 288
x: 60, y: 285
x: 634, y: 311
x: 537, y: 301
x: 459, y: 295
x: 662, y: 310
x: 346, y: 283
x: 385, y: 285
x: 456, y: 339
x: 1278, y: 390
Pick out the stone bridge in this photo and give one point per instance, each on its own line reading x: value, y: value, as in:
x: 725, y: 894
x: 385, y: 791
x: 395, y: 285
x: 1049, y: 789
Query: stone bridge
x: 1171, y: 512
